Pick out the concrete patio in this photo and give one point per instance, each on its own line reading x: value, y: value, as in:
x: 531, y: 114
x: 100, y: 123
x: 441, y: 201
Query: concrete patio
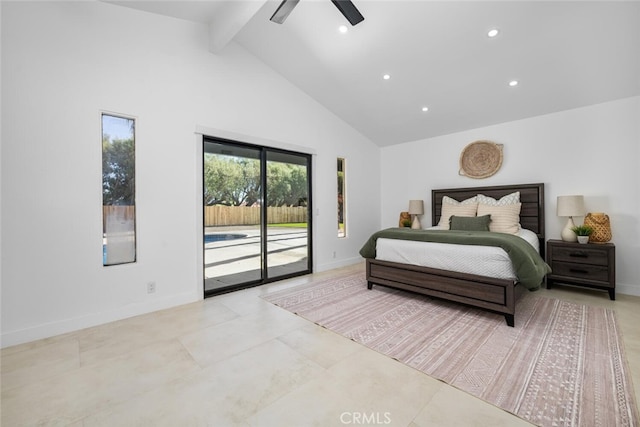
x: 231, y: 262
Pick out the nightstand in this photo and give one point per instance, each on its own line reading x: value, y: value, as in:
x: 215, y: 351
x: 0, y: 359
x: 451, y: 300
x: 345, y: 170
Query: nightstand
x: 591, y: 265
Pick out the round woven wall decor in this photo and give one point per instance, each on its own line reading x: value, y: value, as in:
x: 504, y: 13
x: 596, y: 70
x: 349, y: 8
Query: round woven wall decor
x: 480, y: 159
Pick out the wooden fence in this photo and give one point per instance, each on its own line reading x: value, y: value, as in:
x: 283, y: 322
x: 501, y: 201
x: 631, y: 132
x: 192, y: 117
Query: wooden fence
x: 227, y: 215
x: 246, y: 215
x: 123, y: 213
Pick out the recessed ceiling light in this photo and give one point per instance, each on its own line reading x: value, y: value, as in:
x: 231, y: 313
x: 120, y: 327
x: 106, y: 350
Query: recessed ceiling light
x: 386, y: 77
x: 343, y: 29
x: 425, y: 109
x: 513, y: 83
x: 493, y: 32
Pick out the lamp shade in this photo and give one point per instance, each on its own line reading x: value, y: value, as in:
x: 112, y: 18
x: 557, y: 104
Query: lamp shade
x: 416, y: 207
x: 570, y: 206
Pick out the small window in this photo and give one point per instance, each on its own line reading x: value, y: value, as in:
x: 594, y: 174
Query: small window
x: 118, y: 190
x: 342, y: 200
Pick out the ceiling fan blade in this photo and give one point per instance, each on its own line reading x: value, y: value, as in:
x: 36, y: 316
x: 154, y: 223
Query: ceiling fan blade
x: 349, y: 11
x: 283, y: 10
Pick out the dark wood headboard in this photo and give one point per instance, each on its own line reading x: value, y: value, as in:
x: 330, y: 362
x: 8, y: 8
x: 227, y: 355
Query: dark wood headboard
x: 531, y: 197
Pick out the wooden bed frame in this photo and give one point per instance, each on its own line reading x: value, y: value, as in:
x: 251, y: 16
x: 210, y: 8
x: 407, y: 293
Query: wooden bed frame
x: 492, y: 294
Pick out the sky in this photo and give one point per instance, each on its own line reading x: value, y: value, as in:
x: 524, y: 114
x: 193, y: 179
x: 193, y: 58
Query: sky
x: 116, y: 127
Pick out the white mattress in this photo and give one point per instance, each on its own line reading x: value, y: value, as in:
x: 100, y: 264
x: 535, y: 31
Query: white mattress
x: 481, y: 260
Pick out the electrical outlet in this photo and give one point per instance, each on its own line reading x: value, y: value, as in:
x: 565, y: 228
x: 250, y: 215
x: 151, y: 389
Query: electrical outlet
x: 151, y: 287
x: 334, y: 254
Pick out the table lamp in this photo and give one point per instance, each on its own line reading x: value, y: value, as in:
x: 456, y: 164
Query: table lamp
x: 416, y: 207
x: 570, y: 206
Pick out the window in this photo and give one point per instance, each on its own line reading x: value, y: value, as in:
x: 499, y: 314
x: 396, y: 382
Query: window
x: 342, y: 200
x: 118, y: 190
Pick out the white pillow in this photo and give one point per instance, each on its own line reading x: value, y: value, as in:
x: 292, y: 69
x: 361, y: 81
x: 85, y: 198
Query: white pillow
x: 504, y: 219
x: 509, y: 199
x: 530, y: 237
x: 453, y: 207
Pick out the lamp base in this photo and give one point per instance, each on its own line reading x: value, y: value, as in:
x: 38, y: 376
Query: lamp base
x: 415, y: 225
x: 567, y: 234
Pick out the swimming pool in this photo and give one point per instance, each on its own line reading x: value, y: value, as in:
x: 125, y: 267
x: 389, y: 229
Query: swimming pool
x: 210, y: 238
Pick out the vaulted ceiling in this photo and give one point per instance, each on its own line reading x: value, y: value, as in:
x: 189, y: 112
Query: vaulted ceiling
x: 437, y: 55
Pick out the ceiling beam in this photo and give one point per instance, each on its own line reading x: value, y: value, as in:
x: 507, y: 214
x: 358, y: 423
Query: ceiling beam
x: 228, y: 22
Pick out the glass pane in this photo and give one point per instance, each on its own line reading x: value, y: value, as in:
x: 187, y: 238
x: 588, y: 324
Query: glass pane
x: 287, y: 214
x: 342, y: 202
x: 118, y: 190
x: 232, y: 215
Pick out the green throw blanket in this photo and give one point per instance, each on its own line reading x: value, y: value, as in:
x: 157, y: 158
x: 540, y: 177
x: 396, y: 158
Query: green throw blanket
x: 530, y: 268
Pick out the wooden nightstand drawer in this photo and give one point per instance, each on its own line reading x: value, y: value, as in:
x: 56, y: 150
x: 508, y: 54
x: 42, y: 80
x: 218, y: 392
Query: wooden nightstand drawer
x: 581, y: 271
x: 590, y: 265
x: 594, y: 256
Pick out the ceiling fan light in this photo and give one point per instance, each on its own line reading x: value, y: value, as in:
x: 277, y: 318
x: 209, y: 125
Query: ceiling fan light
x: 493, y: 32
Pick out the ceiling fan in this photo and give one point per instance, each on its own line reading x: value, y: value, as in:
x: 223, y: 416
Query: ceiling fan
x: 344, y: 6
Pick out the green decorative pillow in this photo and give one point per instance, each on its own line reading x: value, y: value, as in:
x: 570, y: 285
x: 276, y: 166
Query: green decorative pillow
x: 453, y: 207
x: 465, y: 223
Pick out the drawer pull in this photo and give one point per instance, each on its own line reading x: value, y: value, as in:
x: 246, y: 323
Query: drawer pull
x: 576, y: 270
x: 579, y: 255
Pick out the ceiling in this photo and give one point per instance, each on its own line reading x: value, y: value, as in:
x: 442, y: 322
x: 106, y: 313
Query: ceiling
x: 564, y: 55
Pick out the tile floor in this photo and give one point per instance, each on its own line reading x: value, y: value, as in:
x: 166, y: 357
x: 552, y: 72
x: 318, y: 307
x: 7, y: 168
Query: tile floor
x: 236, y: 360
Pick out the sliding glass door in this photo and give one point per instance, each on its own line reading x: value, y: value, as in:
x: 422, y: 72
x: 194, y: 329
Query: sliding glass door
x: 287, y: 214
x: 257, y: 219
x: 232, y: 216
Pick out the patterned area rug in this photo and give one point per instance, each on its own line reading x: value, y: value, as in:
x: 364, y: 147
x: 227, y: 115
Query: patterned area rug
x: 561, y: 365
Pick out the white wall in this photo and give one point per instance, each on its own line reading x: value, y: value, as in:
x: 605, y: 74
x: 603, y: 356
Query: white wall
x: 594, y: 151
x: 63, y: 63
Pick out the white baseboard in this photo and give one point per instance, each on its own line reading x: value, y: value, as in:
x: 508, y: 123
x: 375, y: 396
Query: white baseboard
x: 628, y: 290
x: 338, y: 264
x: 52, y: 329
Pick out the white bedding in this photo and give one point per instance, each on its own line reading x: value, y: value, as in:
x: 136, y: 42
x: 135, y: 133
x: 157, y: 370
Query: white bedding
x: 481, y: 260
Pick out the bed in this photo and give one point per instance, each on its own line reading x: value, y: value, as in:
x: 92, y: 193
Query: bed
x: 490, y: 293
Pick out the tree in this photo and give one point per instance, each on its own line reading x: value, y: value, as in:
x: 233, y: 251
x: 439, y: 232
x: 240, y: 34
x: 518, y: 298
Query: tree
x: 234, y: 181
x: 248, y: 182
x: 286, y: 184
x: 231, y: 181
x: 118, y: 171
x: 278, y: 186
x: 299, y: 186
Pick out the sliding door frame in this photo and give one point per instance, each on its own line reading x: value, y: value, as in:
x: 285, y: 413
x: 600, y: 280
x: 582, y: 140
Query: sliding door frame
x: 263, y: 216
